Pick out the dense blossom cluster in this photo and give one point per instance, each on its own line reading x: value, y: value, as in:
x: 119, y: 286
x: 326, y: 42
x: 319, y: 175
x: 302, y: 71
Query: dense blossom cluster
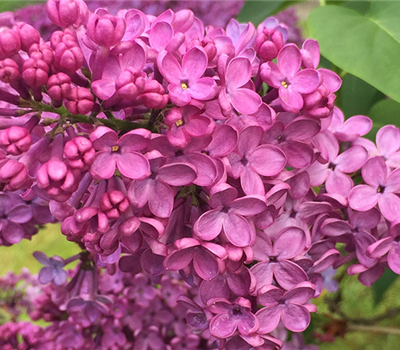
x: 161, y: 145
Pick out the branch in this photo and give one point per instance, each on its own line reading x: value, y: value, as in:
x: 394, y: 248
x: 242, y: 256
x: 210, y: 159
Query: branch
x: 373, y: 329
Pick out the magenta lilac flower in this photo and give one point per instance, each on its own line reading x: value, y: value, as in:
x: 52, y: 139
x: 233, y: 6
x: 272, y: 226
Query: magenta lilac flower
x: 207, y: 187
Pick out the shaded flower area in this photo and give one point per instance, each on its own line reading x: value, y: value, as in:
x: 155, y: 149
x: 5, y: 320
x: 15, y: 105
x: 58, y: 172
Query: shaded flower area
x: 202, y: 169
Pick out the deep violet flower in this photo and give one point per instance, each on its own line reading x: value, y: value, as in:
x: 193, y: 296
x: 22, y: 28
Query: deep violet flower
x: 156, y: 138
x: 13, y: 214
x: 235, y: 93
x: 53, y: 270
x: 121, y: 154
x: 228, y: 216
x: 231, y: 317
x: 388, y: 245
x: 252, y: 160
x: 203, y: 254
x: 290, y: 307
x: 275, y: 259
x: 186, y: 79
x: 381, y: 188
x: 287, y: 77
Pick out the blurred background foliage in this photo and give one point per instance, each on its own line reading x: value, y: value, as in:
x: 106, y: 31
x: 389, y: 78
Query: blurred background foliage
x: 11, y: 5
x: 360, y: 40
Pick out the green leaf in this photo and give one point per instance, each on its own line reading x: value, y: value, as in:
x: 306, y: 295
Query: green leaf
x: 356, y: 96
x: 359, y: 6
x: 257, y: 11
x: 285, y: 4
x: 382, y: 113
x: 382, y: 285
x: 336, y: 2
x: 367, y: 46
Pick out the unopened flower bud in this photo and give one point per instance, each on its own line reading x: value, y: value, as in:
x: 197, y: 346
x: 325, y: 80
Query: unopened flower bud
x: 319, y: 104
x: 35, y: 73
x: 64, y: 36
x: 79, y: 152
x: 16, y: 140
x: 68, y: 57
x: 268, y: 43
x: 59, y: 86
x: 114, y: 203
x: 67, y: 12
x: 10, y: 42
x: 154, y: 96
x: 13, y: 173
x: 9, y: 71
x: 57, y: 179
x: 105, y: 29
x: 207, y: 44
x: 80, y: 101
x: 130, y: 84
x: 42, y: 52
x: 27, y: 34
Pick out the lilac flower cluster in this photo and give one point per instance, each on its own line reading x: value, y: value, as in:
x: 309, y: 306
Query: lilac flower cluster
x: 161, y: 145
x: 130, y: 307
x: 210, y: 12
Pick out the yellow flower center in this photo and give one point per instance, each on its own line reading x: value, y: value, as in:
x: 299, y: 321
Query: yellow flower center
x: 184, y: 86
x: 284, y: 84
x: 179, y: 122
x: 115, y: 148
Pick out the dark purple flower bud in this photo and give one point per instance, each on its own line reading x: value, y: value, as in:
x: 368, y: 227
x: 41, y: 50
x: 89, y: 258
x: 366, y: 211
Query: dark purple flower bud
x: 268, y: 43
x: 67, y: 12
x: 130, y: 84
x: 42, y: 52
x: 62, y: 37
x: 105, y: 29
x: 27, y: 34
x: 207, y: 44
x: 10, y: 42
x: 80, y: 101
x: 114, y: 203
x: 9, y: 71
x: 68, y: 57
x: 57, y: 180
x: 59, y: 86
x: 16, y: 140
x: 55, y: 177
x: 154, y: 96
x: 79, y: 152
x: 35, y: 73
x: 319, y: 104
x: 13, y: 173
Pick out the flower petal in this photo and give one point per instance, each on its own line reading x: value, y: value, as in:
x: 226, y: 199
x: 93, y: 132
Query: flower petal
x: 267, y: 160
x: 268, y: 318
x: 239, y: 231
x: 295, y: 318
x: 205, y: 264
x: 238, y: 73
x: 245, y: 101
x: 209, y: 225
x: 133, y: 165
x: 194, y: 63
x: 223, y: 326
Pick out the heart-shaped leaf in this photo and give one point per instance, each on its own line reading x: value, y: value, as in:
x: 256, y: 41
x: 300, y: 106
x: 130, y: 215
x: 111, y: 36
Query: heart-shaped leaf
x: 365, y: 45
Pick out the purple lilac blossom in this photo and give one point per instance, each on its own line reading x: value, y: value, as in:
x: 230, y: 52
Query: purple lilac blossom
x: 188, y: 186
